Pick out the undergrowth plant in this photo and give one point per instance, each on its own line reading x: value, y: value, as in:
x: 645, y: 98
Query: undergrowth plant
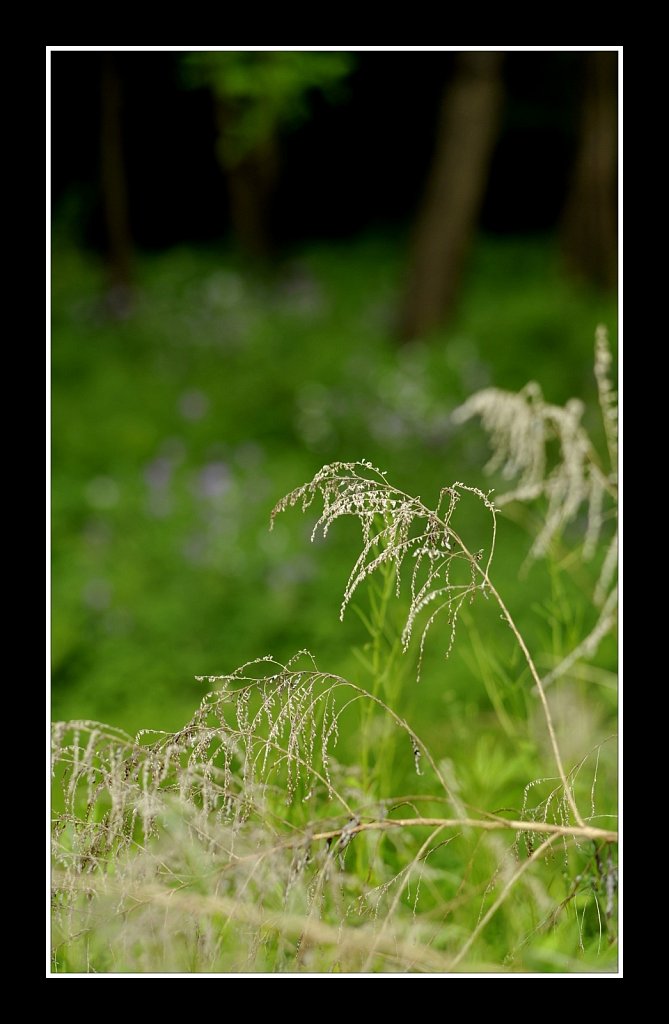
x: 243, y: 843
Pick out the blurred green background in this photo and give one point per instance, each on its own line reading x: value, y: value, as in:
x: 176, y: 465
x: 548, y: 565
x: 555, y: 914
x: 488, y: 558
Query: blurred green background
x: 265, y: 262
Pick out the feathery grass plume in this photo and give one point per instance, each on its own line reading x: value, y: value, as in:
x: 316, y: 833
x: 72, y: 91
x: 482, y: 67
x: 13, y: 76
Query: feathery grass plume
x: 521, y: 429
x: 269, y: 727
x: 608, y: 398
x: 396, y: 527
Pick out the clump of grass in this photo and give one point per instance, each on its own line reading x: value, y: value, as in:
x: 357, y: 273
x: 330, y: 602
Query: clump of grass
x: 240, y: 843
x: 259, y: 850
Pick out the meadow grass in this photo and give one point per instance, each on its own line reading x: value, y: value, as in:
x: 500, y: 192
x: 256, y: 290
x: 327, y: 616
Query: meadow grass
x: 299, y: 823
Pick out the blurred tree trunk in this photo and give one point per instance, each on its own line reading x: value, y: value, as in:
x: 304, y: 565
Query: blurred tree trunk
x: 589, y: 228
x: 114, y: 189
x: 251, y: 184
x: 468, y: 128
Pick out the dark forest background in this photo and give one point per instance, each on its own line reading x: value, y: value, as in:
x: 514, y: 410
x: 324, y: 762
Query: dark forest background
x: 354, y: 164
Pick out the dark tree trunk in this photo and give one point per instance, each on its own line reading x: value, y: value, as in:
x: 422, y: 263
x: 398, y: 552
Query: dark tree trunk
x: 468, y: 128
x: 114, y: 189
x: 589, y: 228
x: 251, y: 185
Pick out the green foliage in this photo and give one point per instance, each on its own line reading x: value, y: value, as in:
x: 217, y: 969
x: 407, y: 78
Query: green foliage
x: 264, y: 91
